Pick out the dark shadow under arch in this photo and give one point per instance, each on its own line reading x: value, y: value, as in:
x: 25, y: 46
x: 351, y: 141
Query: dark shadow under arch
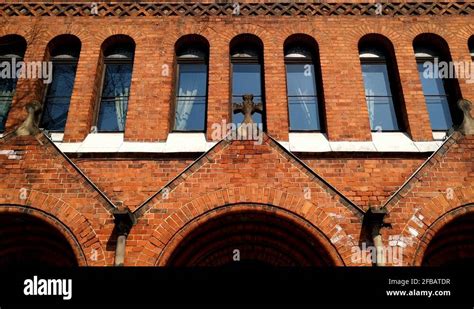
x: 453, y: 244
x: 27, y: 241
x: 255, y: 238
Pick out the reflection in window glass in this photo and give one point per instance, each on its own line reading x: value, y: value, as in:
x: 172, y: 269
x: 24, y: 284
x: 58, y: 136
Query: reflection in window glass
x: 379, y: 97
x: 58, y: 96
x: 302, y: 97
x: 7, y: 89
x: 246, y: 79
x: 11, y: 47
x: 191, y: 97
x: 436, y: 100
x: 114, y: 101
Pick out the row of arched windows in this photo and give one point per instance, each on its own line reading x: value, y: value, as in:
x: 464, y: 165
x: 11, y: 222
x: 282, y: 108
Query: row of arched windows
x: 384, y: 95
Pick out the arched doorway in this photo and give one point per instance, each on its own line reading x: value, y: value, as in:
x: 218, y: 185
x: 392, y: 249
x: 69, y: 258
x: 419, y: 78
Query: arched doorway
x: 453, y: 244
x: 26, y: 241
x: 251, y: 238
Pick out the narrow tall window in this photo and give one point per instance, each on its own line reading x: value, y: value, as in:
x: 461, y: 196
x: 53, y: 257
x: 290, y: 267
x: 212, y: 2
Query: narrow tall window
x: 380, y: 91
x: 440, y: 93
x: 64, y: 55
x: 12, y: 50
x: 471, y: 47
x: 247, y: 77
x: 434, y: 91
x: 191, y: 92
x: 118, y: 65
x: 303, y: 106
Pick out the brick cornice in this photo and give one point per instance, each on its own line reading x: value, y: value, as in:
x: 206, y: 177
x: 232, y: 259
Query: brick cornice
x: 290, y: 9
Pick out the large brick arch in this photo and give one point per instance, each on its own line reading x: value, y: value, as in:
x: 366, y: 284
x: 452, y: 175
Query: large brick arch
x: 69, y: 221
x: 166, y: 236
x: 435, y: 227
x: 54, y: 222
x: 174, y: 242
x: 435, y: 213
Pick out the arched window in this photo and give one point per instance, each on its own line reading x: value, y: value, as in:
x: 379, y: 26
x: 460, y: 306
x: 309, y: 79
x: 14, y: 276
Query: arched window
x: 382, y: 87
x: 192, y: 54
x: 441, y: 94
x: 12, y: 50
x: 303, y: 84
x: 246, y: 53
x: 64, y: 54
x: 118, y: 64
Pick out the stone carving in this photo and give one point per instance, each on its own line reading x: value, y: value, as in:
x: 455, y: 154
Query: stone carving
x: 247, y: 107
x: 467, y: 125
x: 31, y: 124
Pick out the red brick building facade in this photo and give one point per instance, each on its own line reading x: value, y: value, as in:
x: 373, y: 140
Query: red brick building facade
x: 186, y: 198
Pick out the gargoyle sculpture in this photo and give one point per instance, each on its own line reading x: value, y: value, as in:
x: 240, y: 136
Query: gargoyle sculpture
x: 30, y: 125
x: 467, y: 125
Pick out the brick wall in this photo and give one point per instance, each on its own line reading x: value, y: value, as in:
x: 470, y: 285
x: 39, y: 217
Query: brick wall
x: 129, y: 182
x: 151, y: 100
x: 238, y: 173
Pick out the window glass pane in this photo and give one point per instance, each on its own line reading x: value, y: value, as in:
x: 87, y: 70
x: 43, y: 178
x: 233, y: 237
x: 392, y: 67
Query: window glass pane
x: 300, y: 79
x: 304, y: 115
x: 7, y: 88
x: 302, y: 99
x: 382, y: 114
x: 431, y: 86
x: 376, y: 79
x: 117, y: 79
x: 246, y: 79
x: 192, y: 79
x: 191, y: 99
x: 436, y: 101
x: 114, y: 103
x: 379, y: 97
x: 58, y: 97
x: 440, y: 116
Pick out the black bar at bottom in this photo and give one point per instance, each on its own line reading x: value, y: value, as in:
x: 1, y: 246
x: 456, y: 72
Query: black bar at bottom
x: 425, y: 287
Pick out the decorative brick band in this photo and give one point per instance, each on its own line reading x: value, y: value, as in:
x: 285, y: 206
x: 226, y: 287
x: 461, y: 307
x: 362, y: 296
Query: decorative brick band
x: 134, y: 9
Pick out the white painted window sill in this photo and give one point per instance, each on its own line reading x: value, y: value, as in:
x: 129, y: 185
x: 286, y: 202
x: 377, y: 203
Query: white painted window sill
x: 114, y: 142
x: 439, y: 136
x: 196, y: 142
x: 381, y: 142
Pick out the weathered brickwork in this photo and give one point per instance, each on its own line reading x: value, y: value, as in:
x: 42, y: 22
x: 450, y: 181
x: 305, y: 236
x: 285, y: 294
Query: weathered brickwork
x: 324, y: 196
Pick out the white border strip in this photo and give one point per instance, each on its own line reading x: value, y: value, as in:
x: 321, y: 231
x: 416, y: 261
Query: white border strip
x: 298, y: 142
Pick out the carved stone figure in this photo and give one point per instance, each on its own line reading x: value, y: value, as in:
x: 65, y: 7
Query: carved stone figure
x: 467, y: 125
x: 247, y: 107
x: 31, y: 124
